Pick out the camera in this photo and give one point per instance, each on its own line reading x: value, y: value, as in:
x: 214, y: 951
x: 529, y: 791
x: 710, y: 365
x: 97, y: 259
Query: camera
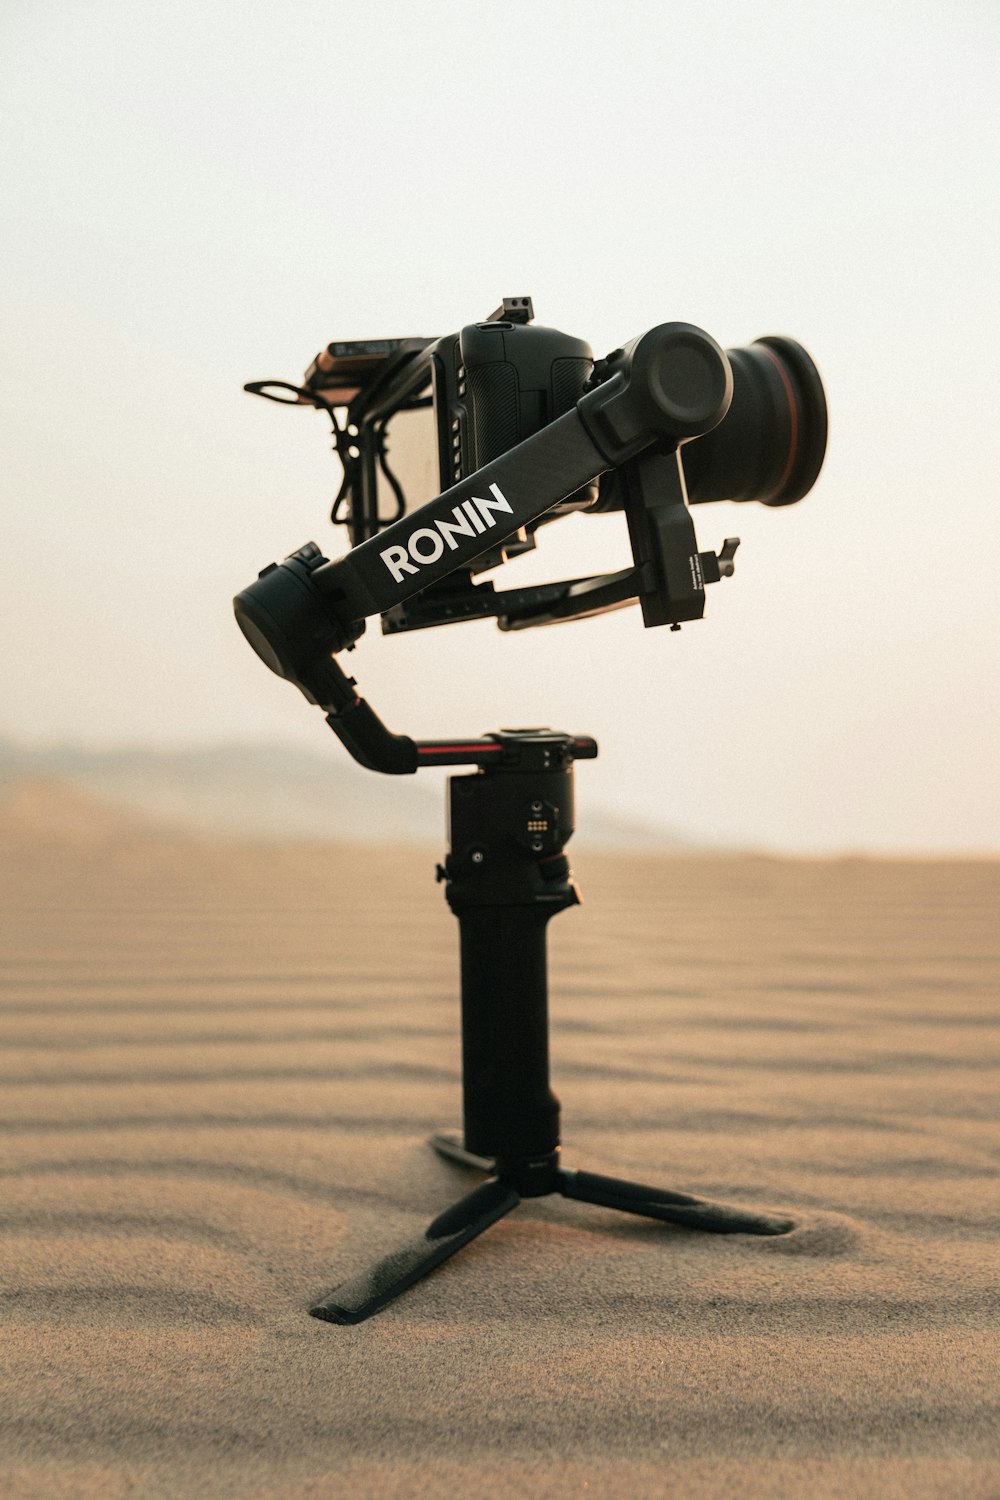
x: 414, y: 417
x: 456, y: 451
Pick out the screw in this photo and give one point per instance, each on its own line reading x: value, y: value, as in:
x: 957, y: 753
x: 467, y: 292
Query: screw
x: 536, y: 807
x: 478, y: 856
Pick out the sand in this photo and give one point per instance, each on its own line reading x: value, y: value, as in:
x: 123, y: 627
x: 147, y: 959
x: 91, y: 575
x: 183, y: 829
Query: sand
x: 220, y: 1067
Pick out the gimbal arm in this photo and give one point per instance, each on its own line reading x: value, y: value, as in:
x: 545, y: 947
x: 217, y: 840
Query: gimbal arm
x: 671, y: 384
x: 450, y: 532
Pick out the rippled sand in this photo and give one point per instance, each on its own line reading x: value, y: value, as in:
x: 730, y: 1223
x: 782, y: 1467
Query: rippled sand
x: 220, y: 1066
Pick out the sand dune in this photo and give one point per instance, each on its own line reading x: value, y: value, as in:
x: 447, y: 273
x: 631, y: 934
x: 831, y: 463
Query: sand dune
x: 221, y: 1063
x: 270, y: 793
x: 41, y: 810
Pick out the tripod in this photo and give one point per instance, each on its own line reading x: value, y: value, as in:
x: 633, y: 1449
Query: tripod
x: 506, y: 876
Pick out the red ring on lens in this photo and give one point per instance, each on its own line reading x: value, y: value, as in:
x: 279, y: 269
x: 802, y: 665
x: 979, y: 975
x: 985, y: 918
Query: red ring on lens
x: 793, y: 416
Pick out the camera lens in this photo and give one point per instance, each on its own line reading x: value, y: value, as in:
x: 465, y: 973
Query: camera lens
x: 770, y: 444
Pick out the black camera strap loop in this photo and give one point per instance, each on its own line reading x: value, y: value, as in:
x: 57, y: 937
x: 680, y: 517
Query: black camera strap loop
x: 382, y: 454
x: 300, y: 395
x: 266, y: 388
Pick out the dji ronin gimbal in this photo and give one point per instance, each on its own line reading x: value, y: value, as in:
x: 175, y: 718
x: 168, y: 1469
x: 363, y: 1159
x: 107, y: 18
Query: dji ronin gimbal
x: 527, y: 427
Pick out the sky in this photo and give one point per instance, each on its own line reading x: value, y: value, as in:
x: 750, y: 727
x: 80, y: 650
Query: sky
x: 196, y: 195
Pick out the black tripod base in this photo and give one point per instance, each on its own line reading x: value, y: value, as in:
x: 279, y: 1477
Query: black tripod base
x: 358, y: 1299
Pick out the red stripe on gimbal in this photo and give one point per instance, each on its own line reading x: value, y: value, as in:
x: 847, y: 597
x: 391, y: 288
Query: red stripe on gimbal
x: 793, y: 416
x: 427, y: 750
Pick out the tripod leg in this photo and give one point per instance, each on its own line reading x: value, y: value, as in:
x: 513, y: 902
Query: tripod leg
x: 451, y: 1147
x: 674, y: 1208
x: 357, y: 1299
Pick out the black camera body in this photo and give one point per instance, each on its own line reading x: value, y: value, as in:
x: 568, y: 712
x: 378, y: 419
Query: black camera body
x: 465, y: 399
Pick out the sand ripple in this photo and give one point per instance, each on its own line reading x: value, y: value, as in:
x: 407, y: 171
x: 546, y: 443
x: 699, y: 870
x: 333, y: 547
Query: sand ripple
x: 216, y: 1087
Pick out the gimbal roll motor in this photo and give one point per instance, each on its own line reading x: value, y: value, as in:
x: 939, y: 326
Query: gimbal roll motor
x: 456, y: 451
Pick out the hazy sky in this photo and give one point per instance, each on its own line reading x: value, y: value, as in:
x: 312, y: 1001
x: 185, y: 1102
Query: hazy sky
x: 200, y: 194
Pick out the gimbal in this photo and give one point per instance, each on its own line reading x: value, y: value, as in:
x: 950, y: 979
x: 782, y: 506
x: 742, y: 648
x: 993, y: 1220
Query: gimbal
x: 655, y: 394
x: 506, y: 873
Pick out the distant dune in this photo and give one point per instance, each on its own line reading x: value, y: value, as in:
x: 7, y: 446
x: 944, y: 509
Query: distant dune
x: 41, y: 809
x: 263, y: 792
